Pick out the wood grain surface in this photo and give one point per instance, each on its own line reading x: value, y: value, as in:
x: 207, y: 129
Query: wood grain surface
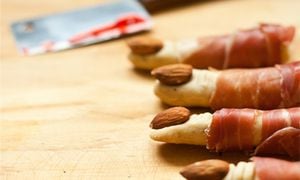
x: 84, y: 113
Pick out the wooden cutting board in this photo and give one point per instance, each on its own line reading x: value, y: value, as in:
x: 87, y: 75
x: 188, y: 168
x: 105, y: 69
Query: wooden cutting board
x: 84, y: 113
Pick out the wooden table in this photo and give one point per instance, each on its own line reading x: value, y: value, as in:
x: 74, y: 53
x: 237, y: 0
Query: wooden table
x: 84, y: 113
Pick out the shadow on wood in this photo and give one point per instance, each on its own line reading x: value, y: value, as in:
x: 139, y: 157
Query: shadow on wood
x: 182, y: 155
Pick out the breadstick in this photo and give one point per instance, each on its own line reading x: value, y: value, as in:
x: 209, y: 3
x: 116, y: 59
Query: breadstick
x: 232, y: 130
x: 265, y: 45
x: 260, y: 88
x: 258, y: 169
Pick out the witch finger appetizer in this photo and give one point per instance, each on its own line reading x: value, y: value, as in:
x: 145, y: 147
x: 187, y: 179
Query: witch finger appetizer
x: 273, y: 132
x: 258, y: 169
x: 265, y: 45
x: 260, y: 88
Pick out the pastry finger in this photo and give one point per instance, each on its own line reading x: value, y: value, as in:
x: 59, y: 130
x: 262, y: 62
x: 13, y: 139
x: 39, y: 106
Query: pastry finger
x: 258, y: 168
x: 265, y: 132
x: 265, y: 45
x: 260, y: 88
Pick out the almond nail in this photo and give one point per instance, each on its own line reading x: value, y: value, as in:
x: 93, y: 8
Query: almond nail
x: 206, y: 170
x: 170, y: 117
x: 174, y: 74
x: 145, y: 45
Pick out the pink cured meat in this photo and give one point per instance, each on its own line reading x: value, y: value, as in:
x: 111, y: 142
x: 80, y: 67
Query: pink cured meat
x: 250, y: 48
x: 295, y: 116
x: 276, y: 169
x: 284, y: 141
x: 261, y: 88
x: 233, y: 129
x: 276, y: 36
x: 290, y: 84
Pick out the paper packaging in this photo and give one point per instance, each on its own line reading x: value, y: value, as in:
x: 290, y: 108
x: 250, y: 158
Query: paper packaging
x: 80, y: 27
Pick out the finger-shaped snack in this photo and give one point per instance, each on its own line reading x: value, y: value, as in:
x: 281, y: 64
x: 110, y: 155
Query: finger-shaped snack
x: 273, y: 132
x: 260, y: 88
x: 265, y: 45
x: 257, y: 169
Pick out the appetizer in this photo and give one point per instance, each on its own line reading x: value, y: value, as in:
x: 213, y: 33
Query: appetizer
x: 272, y: 132
x: 259, y: 88
x: 265, y: 45
x: 258, y: 169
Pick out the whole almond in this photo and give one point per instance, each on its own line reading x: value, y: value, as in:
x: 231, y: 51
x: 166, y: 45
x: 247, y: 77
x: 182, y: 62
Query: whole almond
x: 145, y: 45
x: 170, y: 117
x: 207, y: 170
x: 174, y: 74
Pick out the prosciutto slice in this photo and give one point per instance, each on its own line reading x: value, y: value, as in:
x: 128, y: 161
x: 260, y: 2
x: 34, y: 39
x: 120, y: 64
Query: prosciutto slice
x: 261, y: 88
x: 265, y: 168
x: 231, y: 129
x: 290, y: 84
x: 284, y: 141
x: 257, y: 47
x: 243, y: 129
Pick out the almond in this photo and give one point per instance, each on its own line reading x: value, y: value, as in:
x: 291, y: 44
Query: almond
x: 207, y: 170
x: 174, y: 74
x: 170, y: 117
x: 145, y: 45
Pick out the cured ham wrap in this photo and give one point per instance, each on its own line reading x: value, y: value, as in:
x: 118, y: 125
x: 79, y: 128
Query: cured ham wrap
x: 265, y: 45
x: 259, y: 88
x: 257, y: 169
x: 272, y: 132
